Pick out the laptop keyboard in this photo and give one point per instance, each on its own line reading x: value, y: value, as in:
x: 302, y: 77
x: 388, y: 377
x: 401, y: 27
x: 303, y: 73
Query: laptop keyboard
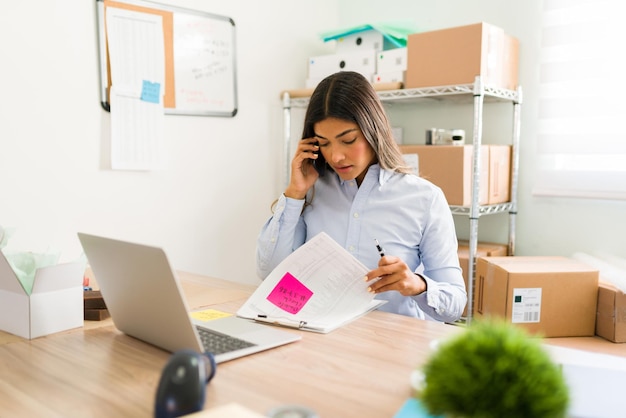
x: 218, y: 343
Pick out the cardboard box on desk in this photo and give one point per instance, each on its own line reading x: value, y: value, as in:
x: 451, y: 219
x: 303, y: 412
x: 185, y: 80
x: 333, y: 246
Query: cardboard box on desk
x: 548, y: 296
x: 55, y: 303
x: 611, y: 314
x: 457, y: 55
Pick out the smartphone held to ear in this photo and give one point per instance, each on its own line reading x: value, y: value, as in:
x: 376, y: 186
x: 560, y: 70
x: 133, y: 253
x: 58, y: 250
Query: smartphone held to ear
x: 319, y: 163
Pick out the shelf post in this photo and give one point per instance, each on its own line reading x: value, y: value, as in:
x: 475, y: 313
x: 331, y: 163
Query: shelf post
x: 287, y: 135
x: 517, y: 108
x: 479, y: 96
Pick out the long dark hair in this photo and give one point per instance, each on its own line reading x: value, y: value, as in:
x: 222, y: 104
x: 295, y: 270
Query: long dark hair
x: 349, y: 96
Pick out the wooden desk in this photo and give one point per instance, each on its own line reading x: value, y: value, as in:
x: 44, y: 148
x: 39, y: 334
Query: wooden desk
x: 362, y: 369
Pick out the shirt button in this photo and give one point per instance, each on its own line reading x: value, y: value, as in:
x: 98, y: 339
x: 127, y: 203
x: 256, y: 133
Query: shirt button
x: 356, y: 214
x: 351, y: 248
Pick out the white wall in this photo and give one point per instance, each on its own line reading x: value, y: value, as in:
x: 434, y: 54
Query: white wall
x: 207, y: 207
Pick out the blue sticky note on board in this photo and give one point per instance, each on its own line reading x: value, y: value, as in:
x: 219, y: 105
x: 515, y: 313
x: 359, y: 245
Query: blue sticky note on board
x: 413, y: 408
x: 150, y: 92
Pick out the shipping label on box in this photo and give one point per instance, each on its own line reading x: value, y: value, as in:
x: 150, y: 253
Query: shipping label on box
x: 457, y: 55
x: 526, y: 306
x: 548, y: 296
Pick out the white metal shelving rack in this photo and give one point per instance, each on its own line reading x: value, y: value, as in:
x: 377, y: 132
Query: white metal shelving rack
x: 480, y: 94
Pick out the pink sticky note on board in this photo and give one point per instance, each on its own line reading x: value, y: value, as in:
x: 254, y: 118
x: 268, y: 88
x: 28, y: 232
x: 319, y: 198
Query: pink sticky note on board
x: 290, y: 294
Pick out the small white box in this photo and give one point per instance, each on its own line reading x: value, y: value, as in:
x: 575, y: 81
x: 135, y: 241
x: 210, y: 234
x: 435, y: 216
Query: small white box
x: 391, y: 60
x: 390, y: 77
x: 311, y: 83
x: 413, y: 162
x: 55, y: 303
x: 368, y: 39
x: 398, y: 134
x: 363, y: 62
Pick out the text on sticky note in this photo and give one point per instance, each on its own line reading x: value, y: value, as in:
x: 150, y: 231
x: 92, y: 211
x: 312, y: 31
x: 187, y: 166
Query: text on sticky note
x: 290, y: 294
x: 150, y: 92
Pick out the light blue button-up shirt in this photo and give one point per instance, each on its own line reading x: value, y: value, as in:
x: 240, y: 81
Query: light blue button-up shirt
x: 408, y: 215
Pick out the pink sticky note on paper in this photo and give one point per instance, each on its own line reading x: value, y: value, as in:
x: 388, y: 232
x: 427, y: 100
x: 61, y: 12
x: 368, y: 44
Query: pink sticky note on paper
x: 290, y: 294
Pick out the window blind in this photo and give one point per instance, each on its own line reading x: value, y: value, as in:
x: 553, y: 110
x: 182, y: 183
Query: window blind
x: 581, y: 144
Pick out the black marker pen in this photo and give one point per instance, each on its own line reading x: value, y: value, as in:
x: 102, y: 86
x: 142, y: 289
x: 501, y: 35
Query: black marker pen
x: 380, y: 249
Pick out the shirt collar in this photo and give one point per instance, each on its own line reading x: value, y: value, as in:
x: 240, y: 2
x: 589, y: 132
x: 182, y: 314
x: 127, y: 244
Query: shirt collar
x: 372, y: 172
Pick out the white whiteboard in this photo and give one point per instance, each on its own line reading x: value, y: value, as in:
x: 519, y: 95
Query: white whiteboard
x: 200, y: 57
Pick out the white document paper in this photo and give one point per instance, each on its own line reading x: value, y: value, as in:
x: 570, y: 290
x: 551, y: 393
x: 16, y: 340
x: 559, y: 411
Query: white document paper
x: 137, y: 59
x: 137, y: 141
x: 319, y: 287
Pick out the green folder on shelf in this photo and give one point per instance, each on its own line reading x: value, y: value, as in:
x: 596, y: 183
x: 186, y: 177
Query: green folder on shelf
x: 395, y: 34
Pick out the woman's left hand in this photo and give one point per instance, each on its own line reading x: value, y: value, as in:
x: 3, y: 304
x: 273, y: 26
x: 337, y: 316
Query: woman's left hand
x: 394, y: 274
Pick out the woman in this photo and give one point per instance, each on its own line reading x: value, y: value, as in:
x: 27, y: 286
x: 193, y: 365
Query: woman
x: 348, y: 179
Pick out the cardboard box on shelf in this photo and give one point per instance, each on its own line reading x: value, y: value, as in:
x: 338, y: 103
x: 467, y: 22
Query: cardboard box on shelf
x: 611, y: 314
x: 499, y: 174
x: 55, y: 303
x: 548, y: 296
x: 457, y: 55
x: 450, y: 168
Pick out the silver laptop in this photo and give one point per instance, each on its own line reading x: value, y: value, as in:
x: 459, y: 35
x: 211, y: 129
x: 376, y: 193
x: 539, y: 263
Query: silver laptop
x: 145, y: 300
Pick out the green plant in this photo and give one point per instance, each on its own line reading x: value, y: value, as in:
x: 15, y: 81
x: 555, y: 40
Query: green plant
x: 493, y: 369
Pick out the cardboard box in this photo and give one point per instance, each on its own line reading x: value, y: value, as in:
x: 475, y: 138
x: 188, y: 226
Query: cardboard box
x: 499, y: 174
x: 483, y: 249
x: 548, y: 296
x: 611, y: 314
x: 360, y: 61
x: 450, y: 168
x: 55, y: 303
x: 457, y: 55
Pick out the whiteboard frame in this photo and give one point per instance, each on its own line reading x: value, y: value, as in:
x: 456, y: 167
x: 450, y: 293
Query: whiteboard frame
x: 102, y: 53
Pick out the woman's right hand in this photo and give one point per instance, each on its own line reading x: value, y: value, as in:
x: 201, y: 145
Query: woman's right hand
x: 303, y: 173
